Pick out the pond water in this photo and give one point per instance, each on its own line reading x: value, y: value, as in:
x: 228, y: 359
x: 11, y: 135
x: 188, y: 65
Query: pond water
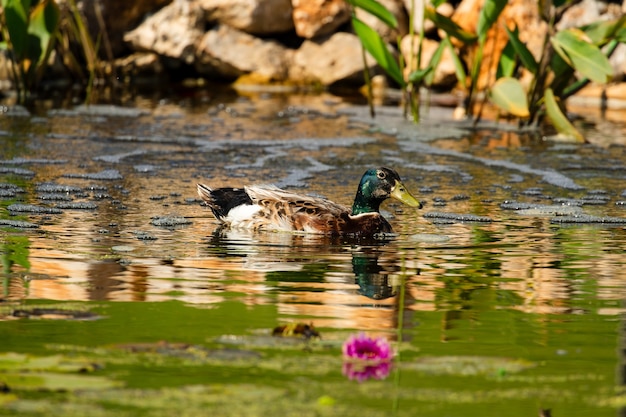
x: 121, y: 296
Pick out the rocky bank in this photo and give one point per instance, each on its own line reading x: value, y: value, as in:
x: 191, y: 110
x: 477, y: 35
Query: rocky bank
x: 302, y: 42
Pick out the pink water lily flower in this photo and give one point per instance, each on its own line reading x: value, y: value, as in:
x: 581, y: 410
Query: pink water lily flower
x: 366, y: 357
x: 363, y: 347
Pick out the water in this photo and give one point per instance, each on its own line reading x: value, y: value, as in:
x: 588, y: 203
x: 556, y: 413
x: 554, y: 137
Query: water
x: 503, y: 296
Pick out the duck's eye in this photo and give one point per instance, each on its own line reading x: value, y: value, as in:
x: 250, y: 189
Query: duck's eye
x: 381, y: 175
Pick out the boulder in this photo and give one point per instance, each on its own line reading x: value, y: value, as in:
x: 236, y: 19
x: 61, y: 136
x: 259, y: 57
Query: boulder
x: 258, y: 17
x: 334, y: 59
x: 315, y: 18
x: 173, y: 31
x: 229, y: 53
x: 118, y: 17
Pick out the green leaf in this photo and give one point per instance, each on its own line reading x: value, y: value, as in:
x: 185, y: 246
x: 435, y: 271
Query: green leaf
x: 581, y: 55
x: 558, y: 119
x: 601, y: 32
x: 459, y: 68
x: 429, y: 75
x: 16, y: 20
x: 377, y: 47
x: 449, y: 26
x: 527, y: 58
x: 418, y: 76
x: 488, y: 16
x: 506, y: 65
x: 508, y: 94
x: 376, y: 9
x: 44, y: 20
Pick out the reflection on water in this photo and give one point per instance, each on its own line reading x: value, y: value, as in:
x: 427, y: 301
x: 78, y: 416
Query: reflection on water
x: 343, y: 283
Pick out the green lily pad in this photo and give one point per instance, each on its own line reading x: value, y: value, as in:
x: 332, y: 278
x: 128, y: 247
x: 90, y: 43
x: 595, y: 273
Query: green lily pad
x: 468, y: 365
x: 56, y: 381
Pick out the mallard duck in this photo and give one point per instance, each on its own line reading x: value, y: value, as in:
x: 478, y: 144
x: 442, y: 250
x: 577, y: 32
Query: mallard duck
x: 265, y: 207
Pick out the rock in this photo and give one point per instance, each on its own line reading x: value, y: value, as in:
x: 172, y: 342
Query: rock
x: 140, y: 63
x: 118, y: 16
x: 172, y: 32
x: 388, y: 34
x: 259, y: 17
x: 330, y: 60
x: 587, y: 12
x: 315, y: 18
x: 229, y: 53
x: 445, y: 73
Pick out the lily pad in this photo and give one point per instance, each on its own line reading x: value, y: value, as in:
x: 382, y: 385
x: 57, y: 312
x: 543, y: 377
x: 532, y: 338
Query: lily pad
x: 468, y: 365
x: 56, y: 382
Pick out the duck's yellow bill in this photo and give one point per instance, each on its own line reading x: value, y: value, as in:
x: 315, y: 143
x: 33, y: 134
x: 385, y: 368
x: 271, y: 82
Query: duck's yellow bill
x: 399, y: 192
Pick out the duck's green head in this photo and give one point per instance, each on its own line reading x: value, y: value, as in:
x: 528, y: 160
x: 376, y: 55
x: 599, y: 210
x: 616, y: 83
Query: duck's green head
x: 376, y: 186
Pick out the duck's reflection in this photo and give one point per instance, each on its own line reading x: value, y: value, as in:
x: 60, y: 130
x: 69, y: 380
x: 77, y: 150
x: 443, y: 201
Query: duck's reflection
x: 315, y: 258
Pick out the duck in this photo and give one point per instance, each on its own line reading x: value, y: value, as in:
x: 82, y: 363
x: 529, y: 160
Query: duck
x: 267, y: 207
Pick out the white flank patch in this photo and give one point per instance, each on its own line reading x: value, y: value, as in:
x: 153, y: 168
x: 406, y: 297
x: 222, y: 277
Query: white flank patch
x: 242, y: 214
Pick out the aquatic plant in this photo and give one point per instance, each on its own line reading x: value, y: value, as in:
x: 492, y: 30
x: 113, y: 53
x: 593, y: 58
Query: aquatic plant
x: 366, y: 357
x: 564, y: 54
x: 363, y: 347
x: 28, y: 35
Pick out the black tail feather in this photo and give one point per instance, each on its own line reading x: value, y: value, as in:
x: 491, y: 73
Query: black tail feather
x: 223, y: 200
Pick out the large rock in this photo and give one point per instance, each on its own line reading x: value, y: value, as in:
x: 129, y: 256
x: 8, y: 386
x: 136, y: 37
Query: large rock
x: 118, y: 17
x: 335, y: 59
x: 259, y: 17
x: 173, y: 31
x: 315, y: 18
x: 229, y: 53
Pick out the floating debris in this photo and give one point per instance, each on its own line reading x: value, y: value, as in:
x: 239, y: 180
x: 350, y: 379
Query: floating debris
x: 144, y: 236
x: 38, y: 161
x: 54, y: 197
x: 16, y: 171
x: 551, y: 210
x: 12, y: 187
x: 18, y: 224
x: 53, y: 188
x: 107, y: 175
x: 596, y: 199
x: 7, y: 193
x: 457, y: 217
x: 588, y: 219
x: 170, y: 221
x: 33, y: 209
x: 460, y: 197
x: 77, y: 205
